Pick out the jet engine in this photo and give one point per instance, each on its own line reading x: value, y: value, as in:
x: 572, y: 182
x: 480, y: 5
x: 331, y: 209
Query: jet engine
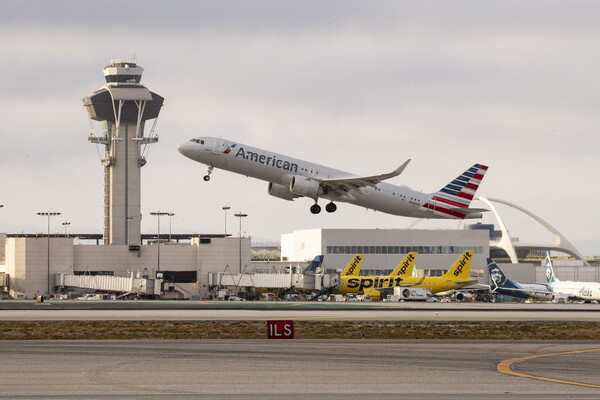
x: 303, y: 186
x: 280, y: 191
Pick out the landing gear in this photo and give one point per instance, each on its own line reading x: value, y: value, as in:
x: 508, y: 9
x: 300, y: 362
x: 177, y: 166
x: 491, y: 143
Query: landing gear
x: 207, y: 176
x: 315, y: 209
x: 331, y: 207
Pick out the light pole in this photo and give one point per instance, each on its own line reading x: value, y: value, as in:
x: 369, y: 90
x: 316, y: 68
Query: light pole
x: 170, y: 218
x: 240, y: 215
x: 225, y: 208
x: 158, y: 215
x: 66, y: 224
x: 48, y: 214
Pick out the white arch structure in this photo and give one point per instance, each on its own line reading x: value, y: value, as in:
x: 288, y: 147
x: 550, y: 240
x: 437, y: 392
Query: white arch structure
x: 505, y: 243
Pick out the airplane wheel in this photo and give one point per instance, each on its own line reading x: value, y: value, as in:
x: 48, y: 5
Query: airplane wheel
x: 207, y: 178
x: 331, y: 207
x: 315, y: 209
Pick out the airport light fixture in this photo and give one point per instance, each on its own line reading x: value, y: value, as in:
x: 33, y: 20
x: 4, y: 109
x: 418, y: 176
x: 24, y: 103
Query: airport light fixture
x: 158, y: 214
x: 48, y: 214
x: 170, y: 218
x: 66, y: 224
x: 240, y: 215
x: 225, y: 208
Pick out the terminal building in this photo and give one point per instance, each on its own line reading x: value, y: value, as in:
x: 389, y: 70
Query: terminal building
x: 123, y: 262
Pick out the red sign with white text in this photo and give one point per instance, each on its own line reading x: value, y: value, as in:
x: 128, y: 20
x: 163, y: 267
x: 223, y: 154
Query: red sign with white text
x: 280, y: 329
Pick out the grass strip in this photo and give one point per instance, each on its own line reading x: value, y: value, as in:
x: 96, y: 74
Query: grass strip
x: 162, y: 330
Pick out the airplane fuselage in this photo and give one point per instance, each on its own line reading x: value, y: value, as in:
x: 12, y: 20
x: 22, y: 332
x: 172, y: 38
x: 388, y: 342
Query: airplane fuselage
x: 283, y: 173
x: 587, y: 291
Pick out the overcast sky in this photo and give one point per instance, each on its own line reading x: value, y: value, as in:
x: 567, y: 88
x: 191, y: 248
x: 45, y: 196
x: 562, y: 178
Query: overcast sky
x: 356, y: 85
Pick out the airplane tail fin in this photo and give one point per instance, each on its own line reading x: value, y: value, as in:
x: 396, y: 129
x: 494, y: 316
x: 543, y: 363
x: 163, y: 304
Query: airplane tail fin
x: 314, y: 265
x: 353, y: 267
x: 498, y: 278
x: 550, y: 277
x: 406, y: 266
x: 461, y: 268
x: 454, y: 199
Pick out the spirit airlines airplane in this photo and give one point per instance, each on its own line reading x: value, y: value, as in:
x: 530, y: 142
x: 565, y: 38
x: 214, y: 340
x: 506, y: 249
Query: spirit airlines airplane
x: 373, y: 286
x: 290, y: 178
x: 499, y: 283
x: 586, y: 291
x: 455, y: 278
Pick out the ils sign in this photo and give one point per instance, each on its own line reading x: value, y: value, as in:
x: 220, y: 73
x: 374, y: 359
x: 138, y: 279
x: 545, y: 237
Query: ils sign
x: 280, y: 329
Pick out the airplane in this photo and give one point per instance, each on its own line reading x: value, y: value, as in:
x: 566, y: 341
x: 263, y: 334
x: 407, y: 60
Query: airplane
x: 455, y: 278
x: 373, y: 286
x: 290, y: 178
x: 499, y: 283
x: 586, y: 291
x: 406, y: 266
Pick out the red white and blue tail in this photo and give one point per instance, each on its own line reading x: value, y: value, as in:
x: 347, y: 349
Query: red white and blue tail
x: 453, y: 200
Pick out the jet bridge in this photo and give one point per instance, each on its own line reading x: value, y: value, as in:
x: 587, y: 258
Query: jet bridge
x: 132, y: 284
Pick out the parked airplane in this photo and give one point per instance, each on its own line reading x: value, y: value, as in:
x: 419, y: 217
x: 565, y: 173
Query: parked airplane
x: 373, y: 286
x: 455, y: 278
x: 499, y: 283
x: 586, y: 291
x: 290, y: 178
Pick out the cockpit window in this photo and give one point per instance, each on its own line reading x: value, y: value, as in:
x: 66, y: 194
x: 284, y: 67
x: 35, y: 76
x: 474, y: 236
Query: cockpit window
x: 199, y: 141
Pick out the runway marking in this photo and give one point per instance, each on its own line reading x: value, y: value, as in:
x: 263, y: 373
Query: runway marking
x: 505, y: 368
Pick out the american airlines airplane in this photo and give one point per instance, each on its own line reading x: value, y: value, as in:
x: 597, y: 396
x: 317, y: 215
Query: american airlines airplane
x: 290, y: 178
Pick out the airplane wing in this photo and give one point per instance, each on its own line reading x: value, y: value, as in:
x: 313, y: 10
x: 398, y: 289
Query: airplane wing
x: 360, y: 181
x: 390, y: 290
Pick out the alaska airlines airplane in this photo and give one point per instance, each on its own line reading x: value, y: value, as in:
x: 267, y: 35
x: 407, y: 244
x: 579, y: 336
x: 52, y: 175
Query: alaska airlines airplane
x: 290, y: 178
x: 586, y: 291
x: 499, y: 283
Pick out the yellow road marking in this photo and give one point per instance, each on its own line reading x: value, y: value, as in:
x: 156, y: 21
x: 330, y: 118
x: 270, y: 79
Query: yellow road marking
x: 505, y: 366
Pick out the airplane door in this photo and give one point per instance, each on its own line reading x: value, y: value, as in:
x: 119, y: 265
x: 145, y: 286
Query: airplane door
x: 218, y: 146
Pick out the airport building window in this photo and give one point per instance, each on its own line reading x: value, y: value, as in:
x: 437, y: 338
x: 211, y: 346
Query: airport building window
x: 402, y: 249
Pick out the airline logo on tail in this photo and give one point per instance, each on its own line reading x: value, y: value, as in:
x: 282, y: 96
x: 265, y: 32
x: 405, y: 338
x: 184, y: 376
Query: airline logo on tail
x: 406, y: 266
x: 353, y: 268
x: 550, y: 277
x: 463, y: 266
x: 454, y: 198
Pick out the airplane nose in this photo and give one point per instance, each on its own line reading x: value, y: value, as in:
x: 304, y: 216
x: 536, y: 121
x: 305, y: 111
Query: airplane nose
x: 184, y: 148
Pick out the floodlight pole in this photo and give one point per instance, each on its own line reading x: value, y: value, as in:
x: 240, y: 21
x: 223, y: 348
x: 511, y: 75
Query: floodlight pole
x: 240, y: 215
x: 48, y: 214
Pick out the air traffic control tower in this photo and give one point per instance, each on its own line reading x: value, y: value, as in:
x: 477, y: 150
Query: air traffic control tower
x: 123, y: 106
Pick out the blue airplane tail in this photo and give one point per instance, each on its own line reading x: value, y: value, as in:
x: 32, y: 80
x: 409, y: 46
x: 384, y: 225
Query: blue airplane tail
x: 314, y: 264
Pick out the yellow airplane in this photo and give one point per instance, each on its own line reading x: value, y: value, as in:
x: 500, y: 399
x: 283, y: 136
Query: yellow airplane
x: 455, y: 278
x: 374, y: 286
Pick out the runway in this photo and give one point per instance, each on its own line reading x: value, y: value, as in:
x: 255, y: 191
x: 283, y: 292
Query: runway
x: 296, y: 369
x: 165, y: 311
